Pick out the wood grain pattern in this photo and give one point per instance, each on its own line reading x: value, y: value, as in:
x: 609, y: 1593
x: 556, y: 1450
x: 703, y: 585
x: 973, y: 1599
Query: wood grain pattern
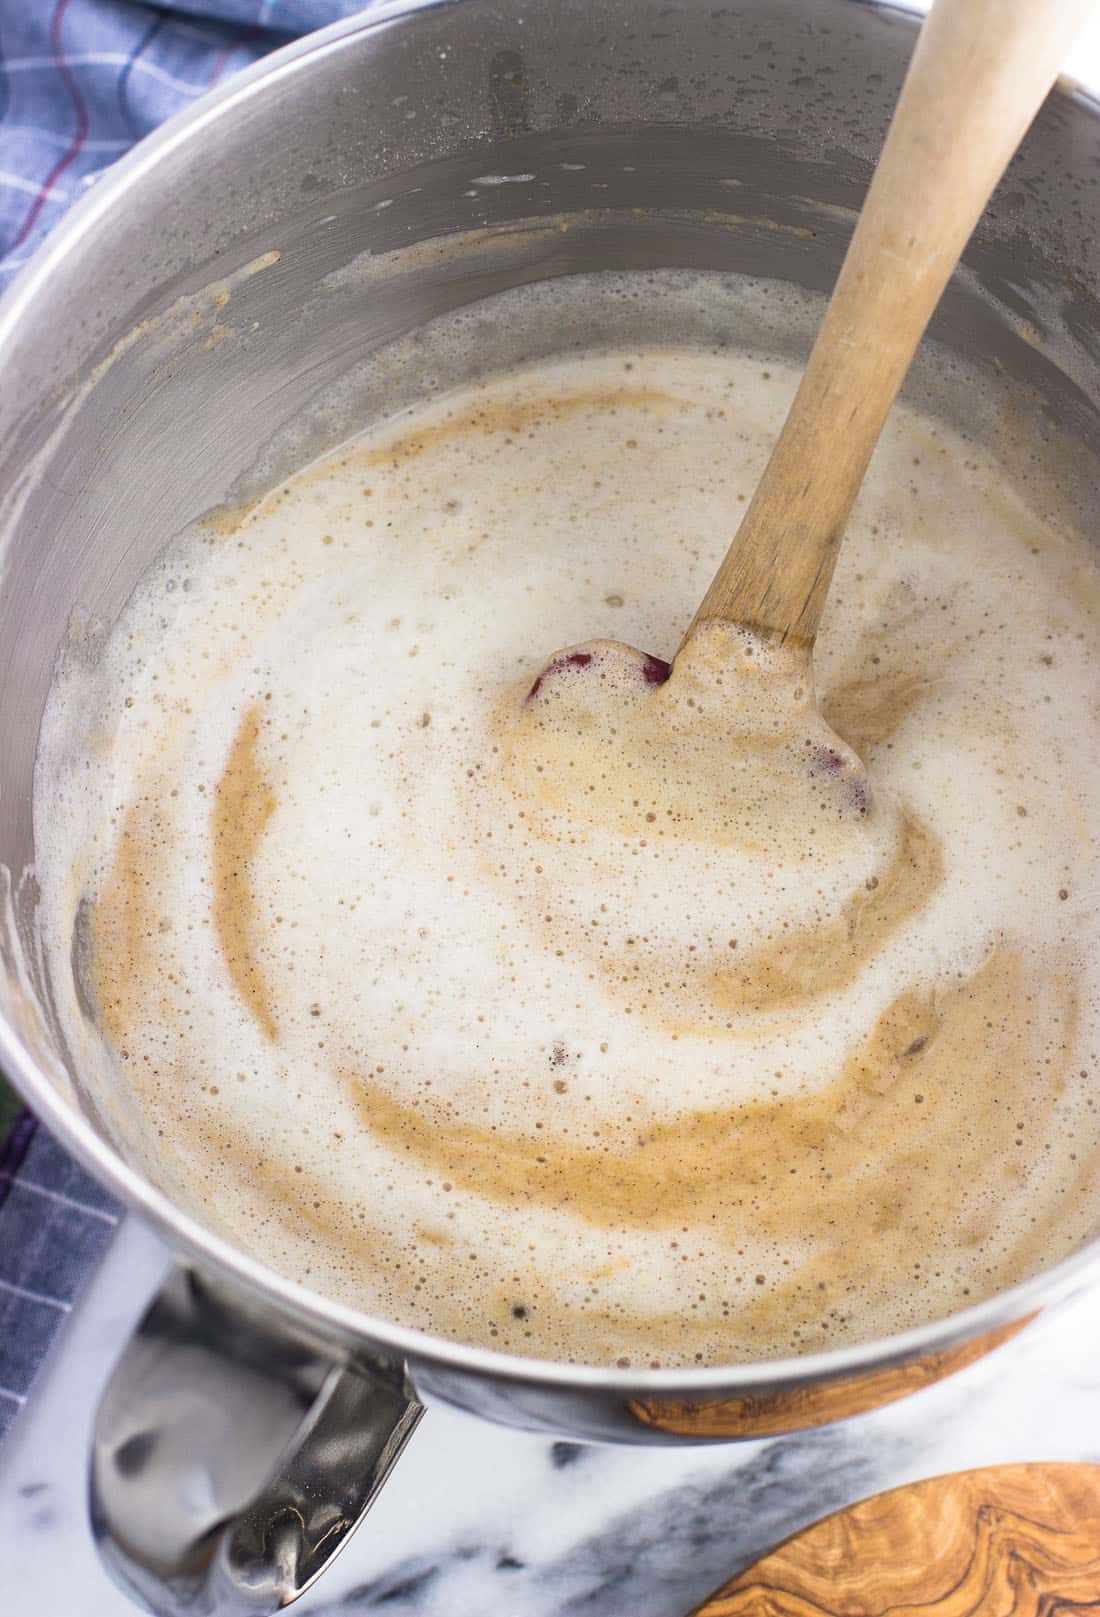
x: 795, y: 1409
x: 979, y: 73
x: 1006, y: 1541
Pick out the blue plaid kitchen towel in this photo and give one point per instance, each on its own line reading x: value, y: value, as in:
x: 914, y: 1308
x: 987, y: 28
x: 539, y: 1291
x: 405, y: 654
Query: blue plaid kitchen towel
x: 80, y: 82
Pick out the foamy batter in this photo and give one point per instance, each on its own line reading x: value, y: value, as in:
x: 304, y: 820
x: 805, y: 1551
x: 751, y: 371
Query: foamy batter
x: 501, y: 1023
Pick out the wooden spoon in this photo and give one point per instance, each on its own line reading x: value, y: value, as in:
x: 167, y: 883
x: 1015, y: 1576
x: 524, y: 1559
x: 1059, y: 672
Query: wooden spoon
x: 978, y: 75
x: 734, y: 719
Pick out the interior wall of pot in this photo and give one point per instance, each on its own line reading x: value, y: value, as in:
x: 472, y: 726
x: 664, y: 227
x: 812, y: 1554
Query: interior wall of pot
x: 255, y: 295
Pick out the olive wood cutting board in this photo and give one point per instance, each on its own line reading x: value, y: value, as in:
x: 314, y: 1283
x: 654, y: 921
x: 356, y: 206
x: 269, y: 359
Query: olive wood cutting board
x: 1005, y: 1541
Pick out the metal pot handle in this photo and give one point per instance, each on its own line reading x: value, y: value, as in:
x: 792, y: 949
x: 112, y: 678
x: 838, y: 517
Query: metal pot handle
x: 231, y: 1459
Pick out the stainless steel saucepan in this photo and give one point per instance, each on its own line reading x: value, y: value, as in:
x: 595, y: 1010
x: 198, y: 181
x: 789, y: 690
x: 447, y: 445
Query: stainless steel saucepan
x: 395, y: 166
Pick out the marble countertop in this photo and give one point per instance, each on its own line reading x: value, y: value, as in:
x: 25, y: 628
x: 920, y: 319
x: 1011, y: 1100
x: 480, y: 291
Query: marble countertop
x: 482, y: 1522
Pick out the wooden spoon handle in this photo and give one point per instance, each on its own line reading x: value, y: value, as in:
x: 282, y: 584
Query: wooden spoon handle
x: 978, y: 75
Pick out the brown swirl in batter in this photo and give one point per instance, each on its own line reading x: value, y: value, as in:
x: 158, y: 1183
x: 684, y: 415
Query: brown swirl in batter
x: 517, y: 416
x: 912, y: 1141
x: 910, y: 1144
x: 729, y: 752
x: 895, y: 1107
x: 243, y: 804
x: 711, y: 991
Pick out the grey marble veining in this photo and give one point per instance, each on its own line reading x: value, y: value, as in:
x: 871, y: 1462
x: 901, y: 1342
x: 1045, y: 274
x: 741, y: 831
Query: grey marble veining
x: 656, y: 1556
x: 481, y: 1522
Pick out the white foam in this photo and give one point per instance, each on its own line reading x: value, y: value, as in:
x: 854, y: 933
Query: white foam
x: 403, y: 942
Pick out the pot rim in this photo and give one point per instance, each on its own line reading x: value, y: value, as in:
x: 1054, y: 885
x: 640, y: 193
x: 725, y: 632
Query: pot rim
x: 340, y: 1320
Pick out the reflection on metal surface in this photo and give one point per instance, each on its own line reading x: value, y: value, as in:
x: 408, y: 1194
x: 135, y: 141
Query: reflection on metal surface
x: 231, y: 1460
x: 794, y: 1409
